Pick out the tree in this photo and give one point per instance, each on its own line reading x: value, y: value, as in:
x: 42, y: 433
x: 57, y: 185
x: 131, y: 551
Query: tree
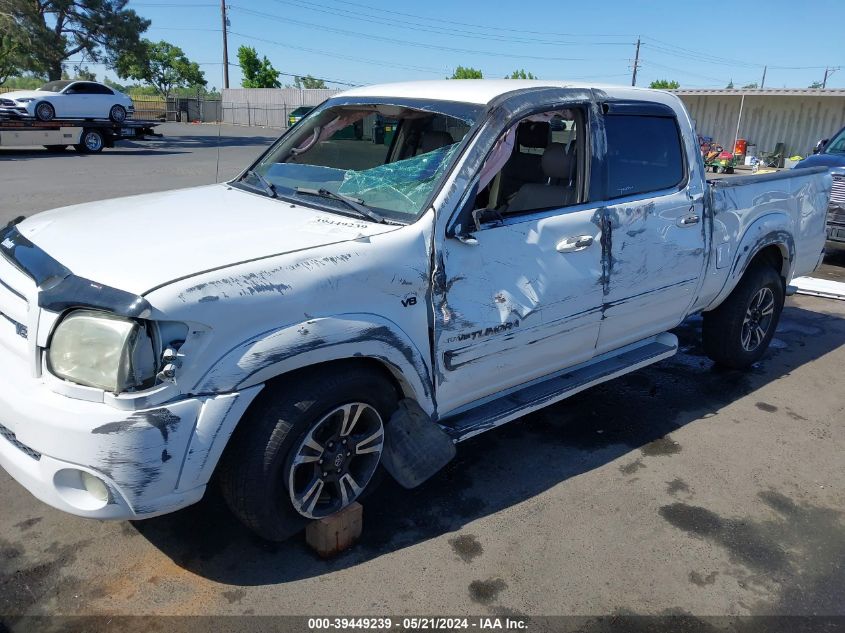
x: 730, y: 85
x: 309, y: 82
x: 664, y: 84
x: 521, y: 74
x: 162, y: 65
x: 84, y: 73
x: 752, y: 86
x: 815, y: 85
x: 466, y: 73
x: 11, y: 51
x: 57, y: 30
x: 257, y: 73
x: 115, y: 85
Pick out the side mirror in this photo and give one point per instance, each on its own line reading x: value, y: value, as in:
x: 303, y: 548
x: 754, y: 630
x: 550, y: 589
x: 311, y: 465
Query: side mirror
x: 463, y: 227
x: 820, y: 145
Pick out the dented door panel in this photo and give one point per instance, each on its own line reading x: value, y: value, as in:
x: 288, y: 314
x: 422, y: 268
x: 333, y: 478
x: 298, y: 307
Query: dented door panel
x: 513, y: 307
x: 653, y: 267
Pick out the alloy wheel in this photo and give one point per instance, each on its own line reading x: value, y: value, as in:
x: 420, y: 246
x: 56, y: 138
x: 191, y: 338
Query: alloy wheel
x: 758, y: 319
x: 335, y: 460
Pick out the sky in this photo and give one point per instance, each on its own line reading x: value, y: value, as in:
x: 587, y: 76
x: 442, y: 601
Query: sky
x: 355, y: 42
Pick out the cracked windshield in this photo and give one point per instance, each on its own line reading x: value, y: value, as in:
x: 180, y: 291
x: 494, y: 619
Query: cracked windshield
x: 387, y: 158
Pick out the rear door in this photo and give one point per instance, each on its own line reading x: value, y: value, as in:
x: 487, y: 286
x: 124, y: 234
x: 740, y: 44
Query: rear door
x: 101, y: 100
x: 653, y: 224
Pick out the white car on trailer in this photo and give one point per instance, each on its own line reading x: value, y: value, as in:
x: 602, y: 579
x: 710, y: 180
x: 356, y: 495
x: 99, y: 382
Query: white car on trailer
x: 68, y: 100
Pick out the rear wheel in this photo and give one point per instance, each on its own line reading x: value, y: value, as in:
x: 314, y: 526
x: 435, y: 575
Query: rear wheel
x: 738, y: 332
x: 45, y: 111
x: 308, y: 451
x: 91, y: 142
x: 117, y: 113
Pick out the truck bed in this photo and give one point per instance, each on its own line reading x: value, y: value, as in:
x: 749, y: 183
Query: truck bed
x: 18, y: 132
x: 745, y: 211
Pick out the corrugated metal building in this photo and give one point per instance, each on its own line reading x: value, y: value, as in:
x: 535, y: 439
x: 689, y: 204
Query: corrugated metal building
x: 268, y: 106
x: 797, y: 118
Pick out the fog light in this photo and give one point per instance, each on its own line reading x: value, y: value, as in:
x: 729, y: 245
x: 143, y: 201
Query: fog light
x: 95, y: 487
x: 81, y: 490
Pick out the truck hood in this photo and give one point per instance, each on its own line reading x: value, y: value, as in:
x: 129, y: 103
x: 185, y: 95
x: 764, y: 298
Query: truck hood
x: 143, y: 242
x: 822, y: 160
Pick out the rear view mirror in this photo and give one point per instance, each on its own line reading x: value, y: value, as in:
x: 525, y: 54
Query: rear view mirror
x: 820, y: 145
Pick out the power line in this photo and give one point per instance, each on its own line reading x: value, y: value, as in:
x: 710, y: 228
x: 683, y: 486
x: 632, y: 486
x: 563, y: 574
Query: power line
x: 496, y: 28
x: 182, y: 28
x: 173, y: 5
x: 681, y: 51
x: 439, y: 30
x: 281, y: 72
x: 358, y: 34
x: 363, y: 60
x: 679, y: 70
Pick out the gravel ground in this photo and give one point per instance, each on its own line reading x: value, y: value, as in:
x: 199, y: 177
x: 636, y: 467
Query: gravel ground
x: 679, y: 488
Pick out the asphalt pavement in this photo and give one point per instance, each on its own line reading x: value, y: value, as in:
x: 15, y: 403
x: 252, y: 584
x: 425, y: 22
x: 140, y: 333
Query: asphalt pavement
x: 677, y: 489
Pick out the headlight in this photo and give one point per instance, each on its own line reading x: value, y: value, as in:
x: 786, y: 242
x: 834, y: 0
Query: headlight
x: 100, y: 350
x: 25, y: 100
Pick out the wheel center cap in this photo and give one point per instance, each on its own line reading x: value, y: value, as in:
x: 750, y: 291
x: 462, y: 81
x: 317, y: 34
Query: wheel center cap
x: 338, y: 460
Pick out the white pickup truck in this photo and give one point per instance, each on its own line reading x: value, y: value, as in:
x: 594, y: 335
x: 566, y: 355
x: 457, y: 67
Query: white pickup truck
x: 347, y: 304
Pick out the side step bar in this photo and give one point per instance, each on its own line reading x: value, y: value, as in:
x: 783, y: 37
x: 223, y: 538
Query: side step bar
x: 545, y: 391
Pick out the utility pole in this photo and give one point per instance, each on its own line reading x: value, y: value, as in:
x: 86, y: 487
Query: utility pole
x: 827, y: 73
x: 763, y: 80
x: 636, y: 64
x: 225, y: 45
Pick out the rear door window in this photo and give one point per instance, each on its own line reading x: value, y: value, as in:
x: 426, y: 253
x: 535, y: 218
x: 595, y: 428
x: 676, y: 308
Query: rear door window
x: 643, y: 154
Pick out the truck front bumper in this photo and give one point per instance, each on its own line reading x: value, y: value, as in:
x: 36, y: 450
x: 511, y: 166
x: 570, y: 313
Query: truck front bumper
x: 92, y: 460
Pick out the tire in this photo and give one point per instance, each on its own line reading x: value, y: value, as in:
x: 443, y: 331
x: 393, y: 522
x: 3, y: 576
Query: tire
x: 275, y: 459
x: 45, y: 111
x: 92, y: 142
x: 117, y: 114
x: 56, y: 148
x: 729, y: 334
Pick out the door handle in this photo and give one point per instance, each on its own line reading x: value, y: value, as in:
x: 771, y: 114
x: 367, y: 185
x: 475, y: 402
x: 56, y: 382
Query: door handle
x: 689, y: 220
x: 574, y: 244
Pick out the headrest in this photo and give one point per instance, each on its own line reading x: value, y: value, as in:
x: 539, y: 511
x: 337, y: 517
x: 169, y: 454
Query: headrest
x: 432, y: 140
x: 556, y: 163
x: 533, y: 134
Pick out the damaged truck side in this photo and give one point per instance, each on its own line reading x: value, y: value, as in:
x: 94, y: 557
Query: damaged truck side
x: 356, y: 301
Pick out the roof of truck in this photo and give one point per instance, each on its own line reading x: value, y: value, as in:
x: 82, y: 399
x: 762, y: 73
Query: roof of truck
x: 483, y: 91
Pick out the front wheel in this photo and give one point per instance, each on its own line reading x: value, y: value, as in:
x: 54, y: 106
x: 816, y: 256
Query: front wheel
x: 738, y: 332
x: 45, y: 111
x: 307, y: 451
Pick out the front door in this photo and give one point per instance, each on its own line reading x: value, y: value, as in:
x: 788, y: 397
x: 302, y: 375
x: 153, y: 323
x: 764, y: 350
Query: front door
x: 522, y: 298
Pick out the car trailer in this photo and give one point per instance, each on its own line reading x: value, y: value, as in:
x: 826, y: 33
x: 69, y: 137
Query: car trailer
x: 87, y: 137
